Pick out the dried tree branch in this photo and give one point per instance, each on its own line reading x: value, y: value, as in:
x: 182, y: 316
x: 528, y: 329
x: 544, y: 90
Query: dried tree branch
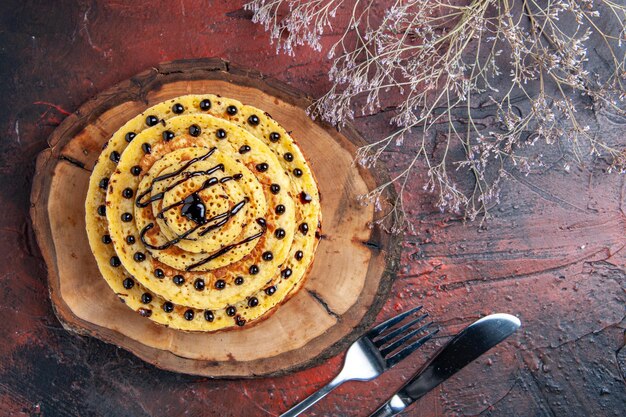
x: 445, y: 56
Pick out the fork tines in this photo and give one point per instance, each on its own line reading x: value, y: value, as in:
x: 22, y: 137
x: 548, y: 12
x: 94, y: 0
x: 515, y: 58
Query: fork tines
x: 389, y: 338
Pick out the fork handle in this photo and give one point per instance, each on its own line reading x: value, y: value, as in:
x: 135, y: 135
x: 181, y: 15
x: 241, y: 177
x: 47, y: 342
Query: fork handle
x: 303, y: 405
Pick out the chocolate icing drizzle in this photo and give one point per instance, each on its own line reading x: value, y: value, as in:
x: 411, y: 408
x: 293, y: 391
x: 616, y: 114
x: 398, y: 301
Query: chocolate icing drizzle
x: 194, y: 209
x: 226, y: 249
x: 194, y: 197
x: 164, y: 177
x: 223, y: 217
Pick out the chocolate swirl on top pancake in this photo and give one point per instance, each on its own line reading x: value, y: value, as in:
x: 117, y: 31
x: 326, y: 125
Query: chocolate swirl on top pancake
x: 173, y: 174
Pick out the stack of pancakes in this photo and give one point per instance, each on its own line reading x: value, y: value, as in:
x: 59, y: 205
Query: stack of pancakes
x: 203, y: 214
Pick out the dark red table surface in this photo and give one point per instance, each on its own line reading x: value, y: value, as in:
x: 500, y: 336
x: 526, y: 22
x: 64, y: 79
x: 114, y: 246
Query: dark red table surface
x: 553, y: 253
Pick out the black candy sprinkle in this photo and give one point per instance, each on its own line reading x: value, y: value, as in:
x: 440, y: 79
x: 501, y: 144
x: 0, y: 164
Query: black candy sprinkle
x: 279, y: 233
x: 238, y: 280
x: 146, y: 298
x: 198, y: 284
x: 106, y: 239
x: 145, y: 312
x: 139, y: 257
x: 274, y: 137
x: 299, y: 255
x: 146, y: 148
x: 178, y: 280
x: 115, y: 261
x: 178, y: 108
x: 220, y: 133
x: 136, y: 170
x: 253, y: 302
x: 128, y: 283
x: 253, y: 120
x: 288, y: 157
x: 104, y: 183
x: 194, y: 130
x: 168, y: 307
x: 230, y: 311
x: 270, y: 290
x: 130, y: 239
x: 240, y: 321
x: 209, y: 316
x: 280, y: 209
x: 305, y: 198
x: 205, y: 104
x: 102, y: 210
x: 275, y: 188
x: 130, y: 136
x: 159, y: 273
x: 262, y: 167
x: 152, y: 120
x: 232, y: 110
x: 297, y: 172
x: 254, y: 269
x: 244, y: 149
x: 127, y: 193
x: 168, y: 135
x: 267, y: 256
x: 126, y: 217
x: 189, y: 315
x: 286, y: 273
x: 220, y: 284
x: 304, y: 228
x: 115, y: 156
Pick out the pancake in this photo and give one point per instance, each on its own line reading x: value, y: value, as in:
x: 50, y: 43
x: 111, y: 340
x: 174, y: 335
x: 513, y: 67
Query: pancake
x: 203, y: 214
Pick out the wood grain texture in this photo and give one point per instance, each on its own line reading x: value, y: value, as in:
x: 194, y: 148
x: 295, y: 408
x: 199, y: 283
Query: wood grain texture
x: 552, y: 253
x: 344, y: 287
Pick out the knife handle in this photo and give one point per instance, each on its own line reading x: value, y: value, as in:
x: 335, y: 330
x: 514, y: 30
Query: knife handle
x: 392, y: 407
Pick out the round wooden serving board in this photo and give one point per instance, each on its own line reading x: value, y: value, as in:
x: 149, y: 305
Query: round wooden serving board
x: 345, y: 288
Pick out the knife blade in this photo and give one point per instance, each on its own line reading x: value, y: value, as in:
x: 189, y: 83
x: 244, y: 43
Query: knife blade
x: 464, y: 348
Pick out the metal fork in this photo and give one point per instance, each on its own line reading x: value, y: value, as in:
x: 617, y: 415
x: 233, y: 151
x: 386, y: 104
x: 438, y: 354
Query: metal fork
x: 374, y: 353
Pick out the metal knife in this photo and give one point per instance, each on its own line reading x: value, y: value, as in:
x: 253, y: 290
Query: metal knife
x: 464, y: 348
